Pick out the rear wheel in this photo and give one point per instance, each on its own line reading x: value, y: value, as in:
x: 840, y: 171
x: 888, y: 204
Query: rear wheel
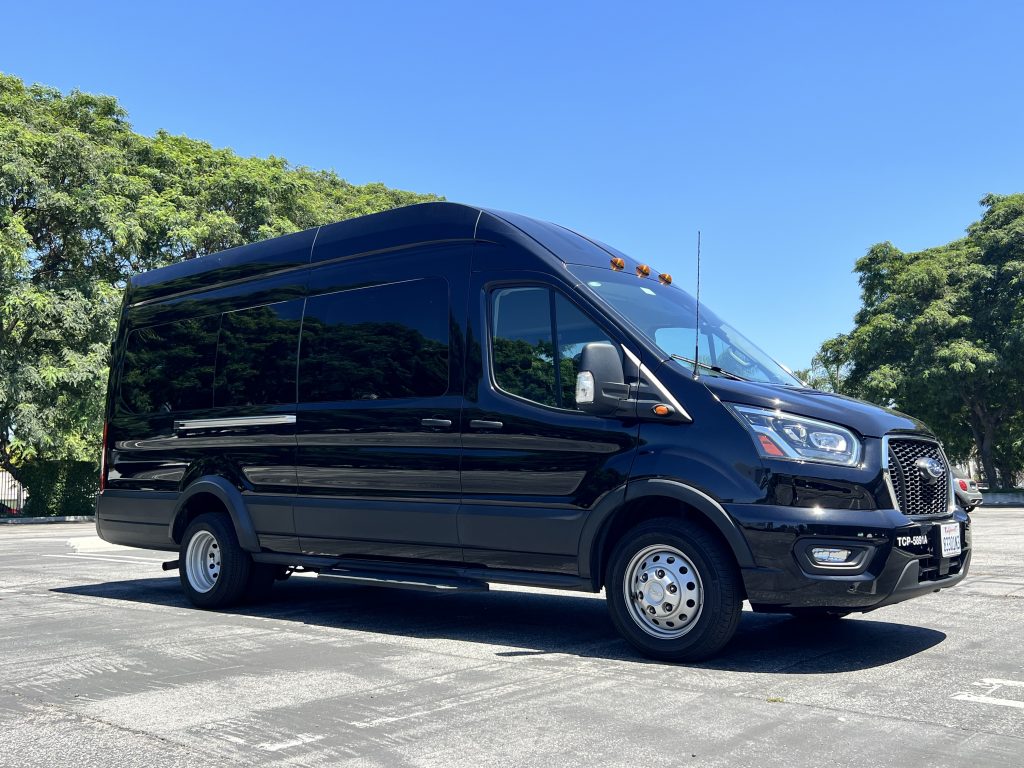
x: 673, y: 591
x: 215, y: 571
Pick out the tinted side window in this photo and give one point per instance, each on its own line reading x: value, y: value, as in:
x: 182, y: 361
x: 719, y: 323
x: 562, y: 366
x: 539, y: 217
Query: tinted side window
x: 385, y: 342
x: 256, y: 355
x: 575, y: 330
x: 526, y: 360
x: 522, y: 350
x: 169, y: 367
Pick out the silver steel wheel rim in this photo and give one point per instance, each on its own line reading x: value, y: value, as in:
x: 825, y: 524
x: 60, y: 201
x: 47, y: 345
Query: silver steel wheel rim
x: 202, y: 561
x: 663, y: 591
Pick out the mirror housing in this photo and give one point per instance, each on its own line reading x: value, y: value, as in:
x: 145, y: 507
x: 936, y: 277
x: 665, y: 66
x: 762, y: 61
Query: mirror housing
x: 601, y: 387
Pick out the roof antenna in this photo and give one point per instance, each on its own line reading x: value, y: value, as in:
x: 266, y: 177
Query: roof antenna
x: 696, y: 330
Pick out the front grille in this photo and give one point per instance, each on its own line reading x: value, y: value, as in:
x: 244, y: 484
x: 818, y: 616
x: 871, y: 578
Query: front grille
x: 931, y: 568
x: 915, y: 496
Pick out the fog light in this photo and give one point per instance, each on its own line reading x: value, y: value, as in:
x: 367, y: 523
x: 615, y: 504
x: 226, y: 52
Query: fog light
x: 830, y: 555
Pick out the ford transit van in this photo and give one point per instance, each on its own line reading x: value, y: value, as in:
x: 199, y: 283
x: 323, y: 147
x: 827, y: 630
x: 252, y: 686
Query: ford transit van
x: 442, y: 396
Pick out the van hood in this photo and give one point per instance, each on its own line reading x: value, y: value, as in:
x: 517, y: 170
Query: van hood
x: 866, y: 418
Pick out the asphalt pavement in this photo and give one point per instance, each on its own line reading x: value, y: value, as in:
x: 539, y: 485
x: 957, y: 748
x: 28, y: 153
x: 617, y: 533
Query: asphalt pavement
x: 103, y: 663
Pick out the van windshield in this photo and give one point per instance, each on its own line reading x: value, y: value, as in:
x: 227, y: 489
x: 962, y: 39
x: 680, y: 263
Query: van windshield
x: 668, y: 316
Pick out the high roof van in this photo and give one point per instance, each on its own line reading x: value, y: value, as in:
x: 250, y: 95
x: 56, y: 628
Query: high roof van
x: 442, y: 397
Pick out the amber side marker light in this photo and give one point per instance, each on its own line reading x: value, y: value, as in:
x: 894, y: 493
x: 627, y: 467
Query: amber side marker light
x: 642, y: 270
x: 665, y: 279
x: 661, y: 410
x: 618, y: 264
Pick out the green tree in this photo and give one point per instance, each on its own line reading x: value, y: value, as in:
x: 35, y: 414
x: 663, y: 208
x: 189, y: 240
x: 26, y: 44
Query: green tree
x: 826, y: 373
x: 85, y: 202
x: 940, y: 335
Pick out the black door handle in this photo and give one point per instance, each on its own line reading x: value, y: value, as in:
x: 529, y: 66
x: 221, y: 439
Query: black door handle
x: 436, y: 422
x: 482, y: 424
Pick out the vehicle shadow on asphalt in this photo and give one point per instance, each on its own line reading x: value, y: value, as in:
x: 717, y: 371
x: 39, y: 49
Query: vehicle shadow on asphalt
x: 536, y: 624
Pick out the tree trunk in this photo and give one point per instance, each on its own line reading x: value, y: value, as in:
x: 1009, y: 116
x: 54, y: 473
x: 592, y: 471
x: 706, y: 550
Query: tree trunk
x: 983, y: 427
x: 1005, y: 473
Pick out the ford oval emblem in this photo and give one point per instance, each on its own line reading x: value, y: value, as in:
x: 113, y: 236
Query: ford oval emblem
x: 930, y: 469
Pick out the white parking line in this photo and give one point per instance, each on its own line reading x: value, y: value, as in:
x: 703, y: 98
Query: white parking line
x: 302, y: 739
x: 993, y: 685
x: 995, y: 682
x: 989, y: 700
x: 112, y: 558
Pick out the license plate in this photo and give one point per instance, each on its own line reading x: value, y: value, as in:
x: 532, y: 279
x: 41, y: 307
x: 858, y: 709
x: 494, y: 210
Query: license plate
x: 950, y: 539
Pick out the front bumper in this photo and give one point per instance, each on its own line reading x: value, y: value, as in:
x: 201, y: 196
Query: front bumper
x: 897, y: 557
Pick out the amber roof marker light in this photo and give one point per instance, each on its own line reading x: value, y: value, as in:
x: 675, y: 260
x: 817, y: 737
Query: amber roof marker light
x: 665, y: 278
x: 642, y: 270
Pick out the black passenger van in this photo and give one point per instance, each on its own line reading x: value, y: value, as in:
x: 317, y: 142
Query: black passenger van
x: 442, y: 396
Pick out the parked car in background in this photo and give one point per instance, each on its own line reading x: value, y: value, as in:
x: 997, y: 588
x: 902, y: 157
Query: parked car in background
x: 968, y: 494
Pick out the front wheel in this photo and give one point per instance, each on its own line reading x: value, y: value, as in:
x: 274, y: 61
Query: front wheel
x: 673, y: 591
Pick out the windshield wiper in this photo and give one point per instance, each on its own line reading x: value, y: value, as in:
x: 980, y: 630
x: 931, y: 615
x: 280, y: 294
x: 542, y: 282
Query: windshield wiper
x: 713, y: 368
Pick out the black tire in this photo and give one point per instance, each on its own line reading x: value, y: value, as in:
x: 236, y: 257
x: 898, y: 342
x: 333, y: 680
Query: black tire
x: 230, y: 580
x: 817, y: 614
x: 715, y: 614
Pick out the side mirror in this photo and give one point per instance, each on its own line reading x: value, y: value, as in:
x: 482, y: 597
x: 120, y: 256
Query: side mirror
x: 600, y: 385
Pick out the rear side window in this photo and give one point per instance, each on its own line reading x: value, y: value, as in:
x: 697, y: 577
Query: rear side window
x: 536, y: 342
x: 256, y: 355
x: 169, y: 368
x: 379, y: 343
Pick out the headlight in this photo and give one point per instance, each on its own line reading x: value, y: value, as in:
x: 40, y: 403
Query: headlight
x: 779, y: 435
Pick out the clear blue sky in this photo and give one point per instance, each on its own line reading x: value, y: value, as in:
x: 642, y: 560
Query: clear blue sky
x: 794, y: 134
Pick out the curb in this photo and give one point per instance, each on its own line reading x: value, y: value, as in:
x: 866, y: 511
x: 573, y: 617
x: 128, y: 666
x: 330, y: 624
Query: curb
x: 43, y: 520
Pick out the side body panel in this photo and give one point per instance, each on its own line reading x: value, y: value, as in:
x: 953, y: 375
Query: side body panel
x: 531, y: 474
x: 378, y: 472
x: 159, y: 448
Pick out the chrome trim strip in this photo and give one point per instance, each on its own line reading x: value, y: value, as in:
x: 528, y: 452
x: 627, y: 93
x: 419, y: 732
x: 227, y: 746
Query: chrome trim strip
x: 885, y: 474
x: 951, y: 503
x: 662, y: 389
x: 632, y: 358
x: 236, y: 421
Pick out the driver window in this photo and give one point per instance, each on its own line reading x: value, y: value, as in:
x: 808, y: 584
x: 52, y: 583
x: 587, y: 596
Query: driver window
x: 526, y: 360
x: 575, y: 330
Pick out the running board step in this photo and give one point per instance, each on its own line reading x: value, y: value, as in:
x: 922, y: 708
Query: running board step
x: 404, y: 580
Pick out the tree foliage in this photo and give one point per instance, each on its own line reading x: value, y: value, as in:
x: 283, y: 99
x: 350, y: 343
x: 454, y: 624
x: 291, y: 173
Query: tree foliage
x: 825, y: 374
x: 84, y: 203
x: 940, y: 335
